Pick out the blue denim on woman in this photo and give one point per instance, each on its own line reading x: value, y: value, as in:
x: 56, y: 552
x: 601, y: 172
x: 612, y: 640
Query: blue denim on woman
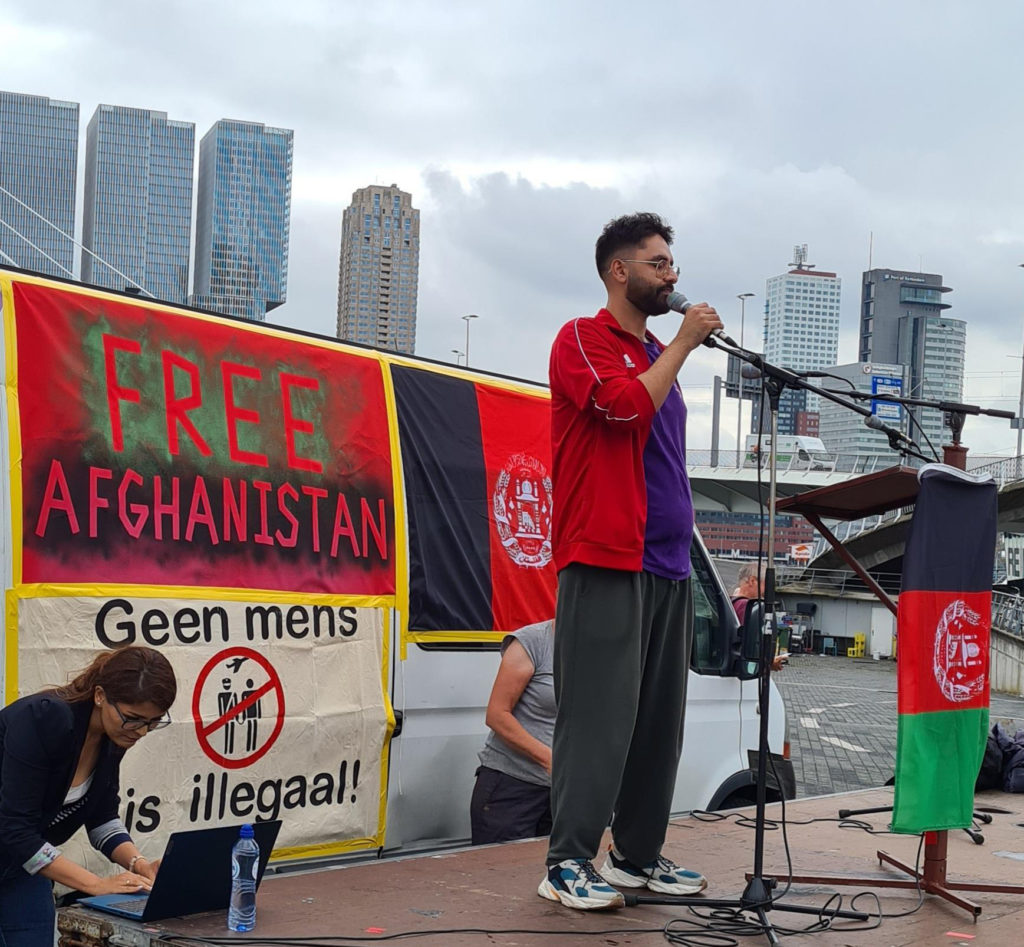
x: 27, y: 912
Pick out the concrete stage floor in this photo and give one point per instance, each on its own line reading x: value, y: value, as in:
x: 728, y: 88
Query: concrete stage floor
x: 494, y: 888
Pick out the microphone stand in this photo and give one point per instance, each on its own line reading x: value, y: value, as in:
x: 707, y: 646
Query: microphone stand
x: 757, y: 897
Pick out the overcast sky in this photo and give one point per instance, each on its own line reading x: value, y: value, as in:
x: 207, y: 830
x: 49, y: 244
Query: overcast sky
x: 522, y: 127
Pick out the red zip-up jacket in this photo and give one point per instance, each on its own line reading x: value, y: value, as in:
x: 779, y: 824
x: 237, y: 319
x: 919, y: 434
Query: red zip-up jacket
x: 600, y: 419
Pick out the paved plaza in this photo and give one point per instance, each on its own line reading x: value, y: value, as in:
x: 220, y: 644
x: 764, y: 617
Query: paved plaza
x: 842, y: 721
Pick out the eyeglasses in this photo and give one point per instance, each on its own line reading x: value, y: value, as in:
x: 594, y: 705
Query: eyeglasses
x: 661, y: 267
x: 137, y: 723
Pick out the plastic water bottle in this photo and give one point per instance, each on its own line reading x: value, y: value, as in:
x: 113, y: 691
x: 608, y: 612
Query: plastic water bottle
x: 245, y: 862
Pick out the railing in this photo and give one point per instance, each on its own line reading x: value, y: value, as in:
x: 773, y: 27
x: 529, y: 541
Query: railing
x: 792, y: 462
x: 1008, y: 614
x: 795, y: 579
x: 1007, y: 609
x: 1004, y: 470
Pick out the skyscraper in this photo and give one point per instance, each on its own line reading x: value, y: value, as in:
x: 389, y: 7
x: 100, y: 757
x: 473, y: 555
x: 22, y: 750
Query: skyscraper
x: 379, y: 269
x: 901, y: 322
x: 138, y: 201
x: 243, y: 218
x: 801, y: 332
x: 38, y: 166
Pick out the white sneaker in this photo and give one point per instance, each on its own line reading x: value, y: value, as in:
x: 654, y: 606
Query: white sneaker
x: 661, y: 875
x: 576, y: 884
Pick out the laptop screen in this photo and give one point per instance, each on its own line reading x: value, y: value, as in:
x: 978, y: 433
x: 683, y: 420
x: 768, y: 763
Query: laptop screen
x: 195, y: 873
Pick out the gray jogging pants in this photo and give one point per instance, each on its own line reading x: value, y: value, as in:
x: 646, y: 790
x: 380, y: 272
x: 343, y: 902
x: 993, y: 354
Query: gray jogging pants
x: 622, y: 654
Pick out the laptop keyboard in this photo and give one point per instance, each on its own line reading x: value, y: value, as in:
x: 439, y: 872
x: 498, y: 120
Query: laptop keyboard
x: 133, y: 905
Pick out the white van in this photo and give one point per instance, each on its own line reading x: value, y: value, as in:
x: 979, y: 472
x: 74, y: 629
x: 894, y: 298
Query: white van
x: 794, y: 452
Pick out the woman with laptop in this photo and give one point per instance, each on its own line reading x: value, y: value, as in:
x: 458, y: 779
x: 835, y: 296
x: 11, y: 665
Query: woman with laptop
x: 60, y: 754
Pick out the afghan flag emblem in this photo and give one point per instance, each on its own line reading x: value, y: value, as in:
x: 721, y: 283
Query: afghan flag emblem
x: 943, y: 623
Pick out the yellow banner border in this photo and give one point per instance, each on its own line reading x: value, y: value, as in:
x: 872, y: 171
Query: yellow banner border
x: 13, y: 424
x: 385, y: 603
x: 456, y: 637
x: 7, y: 282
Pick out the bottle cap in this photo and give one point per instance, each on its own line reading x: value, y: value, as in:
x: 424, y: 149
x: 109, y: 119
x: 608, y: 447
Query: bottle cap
x: 246, y: 831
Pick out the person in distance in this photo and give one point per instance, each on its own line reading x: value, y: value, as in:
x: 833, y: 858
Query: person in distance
x: 750, y: 587
x: 60, y: 756
x: 623, y: 522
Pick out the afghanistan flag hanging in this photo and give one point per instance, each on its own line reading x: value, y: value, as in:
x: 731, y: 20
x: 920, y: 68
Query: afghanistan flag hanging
x: 476, y: 458
x: 945, y: 611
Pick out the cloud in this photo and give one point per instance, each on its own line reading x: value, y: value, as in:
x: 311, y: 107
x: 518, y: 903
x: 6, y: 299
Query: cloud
x: 520, y: 128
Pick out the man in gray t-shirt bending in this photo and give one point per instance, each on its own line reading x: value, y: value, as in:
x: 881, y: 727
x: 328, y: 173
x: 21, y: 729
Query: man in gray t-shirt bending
x: 512, y: 795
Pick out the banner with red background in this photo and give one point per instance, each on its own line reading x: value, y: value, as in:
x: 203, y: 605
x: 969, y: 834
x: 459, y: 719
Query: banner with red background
x: 161, y: 448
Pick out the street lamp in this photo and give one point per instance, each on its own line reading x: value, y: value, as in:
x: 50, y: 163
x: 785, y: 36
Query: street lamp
x: 742, y: 297
x: 458, y: 356
x: 1020, y: 406
x: 471, y: 315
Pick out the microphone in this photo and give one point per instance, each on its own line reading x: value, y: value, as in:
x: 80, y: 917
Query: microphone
x: 876, y: 424
x: 679, y: 303
x: 750, y: 371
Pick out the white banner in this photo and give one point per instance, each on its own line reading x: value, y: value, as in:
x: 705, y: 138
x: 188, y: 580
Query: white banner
x: 280, y: 713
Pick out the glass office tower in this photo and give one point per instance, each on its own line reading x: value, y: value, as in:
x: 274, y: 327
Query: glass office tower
x: 138, y: 201
x: 38, y: 166
x: 243, y: 218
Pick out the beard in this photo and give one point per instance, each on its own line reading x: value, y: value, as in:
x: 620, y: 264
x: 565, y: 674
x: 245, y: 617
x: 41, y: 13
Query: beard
x: 647, y: 297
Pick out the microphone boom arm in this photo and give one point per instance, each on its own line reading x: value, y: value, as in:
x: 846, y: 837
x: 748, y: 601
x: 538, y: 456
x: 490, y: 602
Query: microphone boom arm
x: 781, y: 378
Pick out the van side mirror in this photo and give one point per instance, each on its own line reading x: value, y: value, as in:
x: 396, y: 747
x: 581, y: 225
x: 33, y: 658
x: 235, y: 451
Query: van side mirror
x: 746, y: 652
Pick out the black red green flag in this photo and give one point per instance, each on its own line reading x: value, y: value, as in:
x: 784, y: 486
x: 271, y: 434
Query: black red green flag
x: 476, y: 459
x: 945, y: 614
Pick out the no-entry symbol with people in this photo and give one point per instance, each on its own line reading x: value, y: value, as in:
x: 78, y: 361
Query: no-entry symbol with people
x: 238, y: 707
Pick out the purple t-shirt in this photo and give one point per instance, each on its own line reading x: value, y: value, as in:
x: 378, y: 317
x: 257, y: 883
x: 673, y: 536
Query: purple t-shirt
x: 669, y: 527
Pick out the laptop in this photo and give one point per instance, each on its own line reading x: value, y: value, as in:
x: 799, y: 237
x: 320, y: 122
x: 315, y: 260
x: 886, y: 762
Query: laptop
x: 194, y: 876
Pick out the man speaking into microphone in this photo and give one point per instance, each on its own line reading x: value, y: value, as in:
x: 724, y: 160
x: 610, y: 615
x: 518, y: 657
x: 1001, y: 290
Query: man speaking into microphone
x: 623, y: 521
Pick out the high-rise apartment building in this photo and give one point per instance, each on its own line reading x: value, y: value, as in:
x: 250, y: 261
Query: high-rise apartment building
x: 801, y: 332
x: 902, y: 322
x: 38, y: 167
x: 243, y: 218
x: 379, y: 269
x: 138, y: 201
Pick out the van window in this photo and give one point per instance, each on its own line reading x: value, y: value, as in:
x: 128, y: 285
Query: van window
x: 458, y: 645
x: 709, y: 637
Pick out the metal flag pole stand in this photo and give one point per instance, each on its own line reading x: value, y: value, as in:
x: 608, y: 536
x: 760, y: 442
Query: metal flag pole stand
x: 757, y: 897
